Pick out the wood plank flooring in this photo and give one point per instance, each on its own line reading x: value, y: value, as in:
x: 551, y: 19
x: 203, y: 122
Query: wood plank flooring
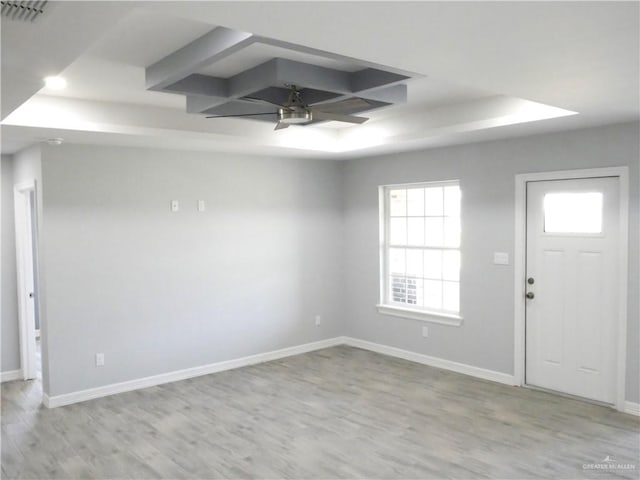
x: 335, y: 413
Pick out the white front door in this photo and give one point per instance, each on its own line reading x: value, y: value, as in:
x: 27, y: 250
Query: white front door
x: 572, y: 262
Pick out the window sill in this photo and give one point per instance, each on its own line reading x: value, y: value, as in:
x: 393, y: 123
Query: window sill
x: 430, y: 317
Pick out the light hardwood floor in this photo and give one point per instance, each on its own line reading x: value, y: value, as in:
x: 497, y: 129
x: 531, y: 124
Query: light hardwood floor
x: 335, y: 413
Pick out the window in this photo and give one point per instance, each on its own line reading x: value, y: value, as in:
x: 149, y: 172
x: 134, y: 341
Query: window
x: 420, y: 251
x: 573, y: 212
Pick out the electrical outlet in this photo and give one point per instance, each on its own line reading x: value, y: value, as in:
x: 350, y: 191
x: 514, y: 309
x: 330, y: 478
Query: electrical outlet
x: 318, y: 320
x: 99, y: 359
x: 201, y: 206
x: 425, y: 332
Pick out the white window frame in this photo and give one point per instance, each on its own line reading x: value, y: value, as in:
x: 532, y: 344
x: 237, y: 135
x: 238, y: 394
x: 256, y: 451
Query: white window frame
x: 384, y: 306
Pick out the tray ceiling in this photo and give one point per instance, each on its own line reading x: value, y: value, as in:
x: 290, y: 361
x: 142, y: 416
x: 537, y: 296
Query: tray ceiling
x: 486, y: 70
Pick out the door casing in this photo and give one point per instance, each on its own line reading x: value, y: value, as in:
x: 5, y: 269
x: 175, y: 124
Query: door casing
x: 520, y: 251
x: 26, y: 239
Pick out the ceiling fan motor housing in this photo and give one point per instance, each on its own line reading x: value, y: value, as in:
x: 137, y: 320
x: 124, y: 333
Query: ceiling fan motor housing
x: 294, y: 114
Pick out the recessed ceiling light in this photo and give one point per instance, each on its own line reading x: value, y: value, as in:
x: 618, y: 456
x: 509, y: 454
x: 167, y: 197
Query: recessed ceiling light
x: 55, y: 141
x: 55, y: 83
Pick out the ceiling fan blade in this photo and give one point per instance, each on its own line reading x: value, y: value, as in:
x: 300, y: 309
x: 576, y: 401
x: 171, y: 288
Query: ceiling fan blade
x: 316, y: 115
x: 280, y: 126
x: 241, y: 115
x: 340, y: 105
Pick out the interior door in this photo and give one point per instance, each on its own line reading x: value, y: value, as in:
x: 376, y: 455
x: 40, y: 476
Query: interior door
x: 24, y: 212
x: 571, y: 309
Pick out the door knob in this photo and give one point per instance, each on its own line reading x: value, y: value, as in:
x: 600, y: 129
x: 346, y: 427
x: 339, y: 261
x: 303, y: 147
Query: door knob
x: 530, y: 295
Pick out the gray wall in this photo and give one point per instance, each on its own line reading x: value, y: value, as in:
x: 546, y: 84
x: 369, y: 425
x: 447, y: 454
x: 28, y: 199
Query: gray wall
x: 157, y: 291
x: 10, y: 357
x: 281, y: 241
x: 486, y: 172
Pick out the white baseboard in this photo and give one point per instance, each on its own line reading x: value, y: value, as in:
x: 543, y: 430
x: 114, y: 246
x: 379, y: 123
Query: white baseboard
x: 93, y: 393
x: 463, y: 368
x: 632, y: 408
x: 10, y: 375
x: 106, y: 390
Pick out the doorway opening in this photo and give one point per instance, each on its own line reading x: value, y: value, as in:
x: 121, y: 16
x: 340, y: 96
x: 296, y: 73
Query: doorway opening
x: 570, y: 259
x: 26, y: 223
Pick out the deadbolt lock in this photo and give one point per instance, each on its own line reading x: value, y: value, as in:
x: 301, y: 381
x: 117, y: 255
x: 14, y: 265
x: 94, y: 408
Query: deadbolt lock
x: 530, y: 281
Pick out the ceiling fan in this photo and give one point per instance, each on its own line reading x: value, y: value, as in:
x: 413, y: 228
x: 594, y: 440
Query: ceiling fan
x: 296, y: 111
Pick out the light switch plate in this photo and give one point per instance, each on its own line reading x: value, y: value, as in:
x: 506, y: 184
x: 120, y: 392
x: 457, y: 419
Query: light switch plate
x: 175, y: 205
x: 201, y: 206
x: 500, y: 258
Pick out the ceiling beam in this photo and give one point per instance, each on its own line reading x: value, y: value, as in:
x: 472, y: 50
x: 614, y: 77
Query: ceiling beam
x: 369, y: 78
x: 202, y: 103
x: 209, y: 48
x: 313, y: 76
x: 243, y: 108
x: 198, y: 84
x: 256, y: 78
x: 394, y: 94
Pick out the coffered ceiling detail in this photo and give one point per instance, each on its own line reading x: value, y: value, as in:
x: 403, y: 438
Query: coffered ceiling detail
x: 320, y: 76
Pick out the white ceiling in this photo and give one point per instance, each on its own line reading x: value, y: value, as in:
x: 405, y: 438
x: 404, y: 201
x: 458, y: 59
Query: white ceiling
x: 491, y: 69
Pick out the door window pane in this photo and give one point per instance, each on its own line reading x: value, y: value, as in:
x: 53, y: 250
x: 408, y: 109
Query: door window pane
x: 573, y: 212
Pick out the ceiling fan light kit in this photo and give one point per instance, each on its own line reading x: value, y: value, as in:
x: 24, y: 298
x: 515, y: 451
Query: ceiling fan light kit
x: 294, y: 115
x: 303, y: 93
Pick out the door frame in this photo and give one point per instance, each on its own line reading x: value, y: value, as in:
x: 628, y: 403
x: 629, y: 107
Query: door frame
x: 26, y: 233
x: 519, y: 259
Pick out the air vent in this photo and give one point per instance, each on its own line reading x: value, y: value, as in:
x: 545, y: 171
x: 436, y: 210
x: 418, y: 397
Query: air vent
x: 26, y: 11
